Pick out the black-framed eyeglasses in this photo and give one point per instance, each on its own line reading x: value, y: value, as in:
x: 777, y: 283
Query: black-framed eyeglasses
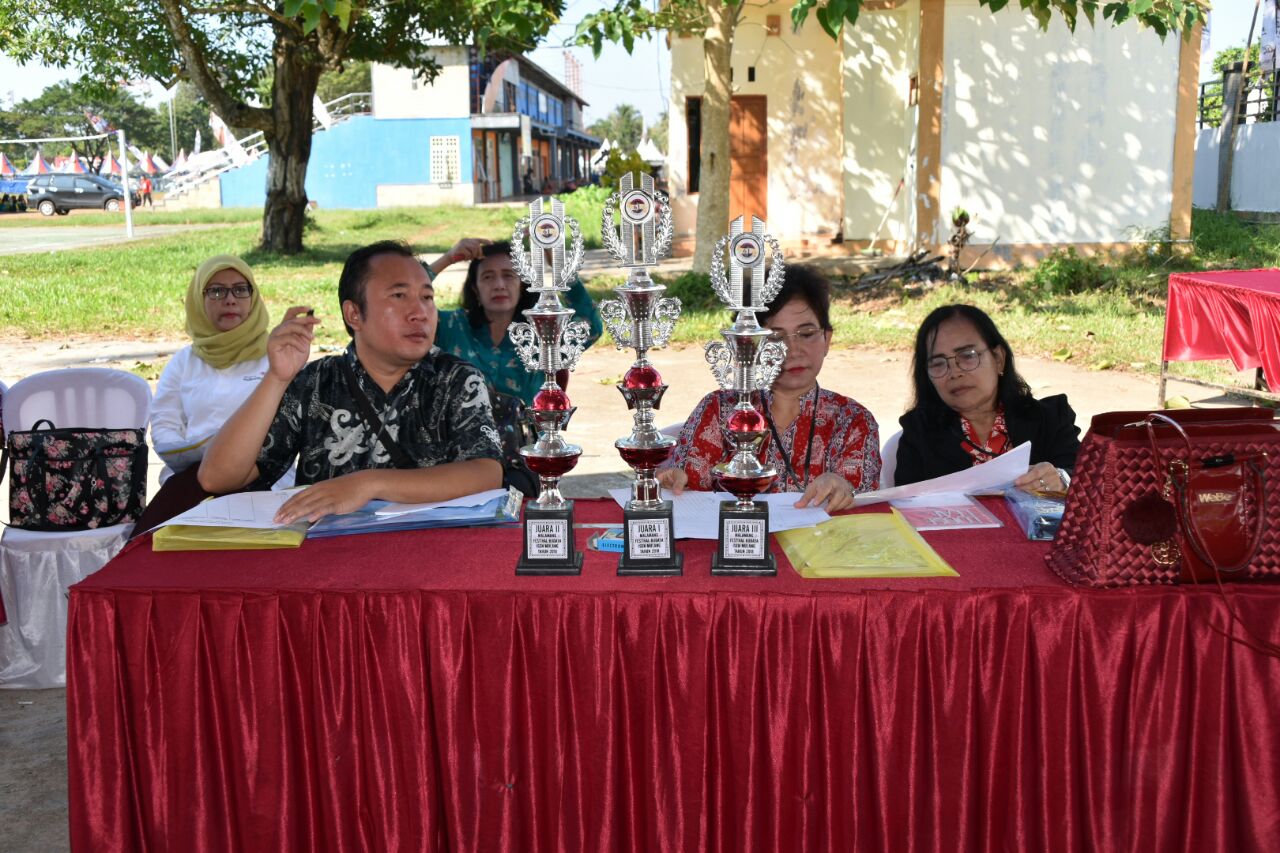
x: 219, y: 292
x: 803, y: 335
x: 967, y: 360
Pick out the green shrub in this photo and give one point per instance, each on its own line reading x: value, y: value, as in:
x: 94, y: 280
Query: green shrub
x: 617, y: 166
x: 586, y: 205
x: 1066, y: 271
x: 693, y: 289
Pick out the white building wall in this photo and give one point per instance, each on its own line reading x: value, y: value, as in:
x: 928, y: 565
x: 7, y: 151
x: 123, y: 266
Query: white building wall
x: 799, y: 73
x: 1255, y: 179
x: 880, y: 57
x: 1054, y: 137
x: 398, y: 94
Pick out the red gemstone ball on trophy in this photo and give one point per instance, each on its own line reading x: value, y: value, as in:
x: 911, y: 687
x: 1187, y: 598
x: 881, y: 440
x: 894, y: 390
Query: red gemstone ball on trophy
x: 641, y: 377
x: 747, y: 420
x: 551, y: 400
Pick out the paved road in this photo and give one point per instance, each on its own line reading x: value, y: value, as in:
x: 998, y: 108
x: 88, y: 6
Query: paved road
x: 57, y: 238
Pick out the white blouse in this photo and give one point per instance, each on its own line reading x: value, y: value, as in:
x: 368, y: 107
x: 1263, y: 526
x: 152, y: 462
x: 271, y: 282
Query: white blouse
x: 193, y: 400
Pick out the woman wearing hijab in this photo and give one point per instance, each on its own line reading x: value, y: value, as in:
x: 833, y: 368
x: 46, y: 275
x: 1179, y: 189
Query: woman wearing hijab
x: 204, y: 383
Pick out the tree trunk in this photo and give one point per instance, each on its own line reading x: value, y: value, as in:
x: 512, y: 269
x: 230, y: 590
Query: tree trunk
x: 289, y: 144
x: 713, y: 180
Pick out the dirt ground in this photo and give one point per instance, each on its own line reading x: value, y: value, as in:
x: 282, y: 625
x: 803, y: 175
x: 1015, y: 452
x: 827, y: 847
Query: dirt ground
x: 33, y: 798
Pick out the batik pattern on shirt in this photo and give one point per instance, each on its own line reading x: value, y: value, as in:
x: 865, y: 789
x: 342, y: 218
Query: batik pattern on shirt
x: 438, y: 412
x: 846, y: 441
x: 501, y: 364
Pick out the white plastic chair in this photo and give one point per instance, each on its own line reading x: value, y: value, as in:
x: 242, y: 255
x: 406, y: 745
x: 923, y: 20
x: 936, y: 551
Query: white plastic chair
x: 37, y: 568
x: 889, y: 459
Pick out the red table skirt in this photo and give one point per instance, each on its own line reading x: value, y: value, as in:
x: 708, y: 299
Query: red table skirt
x: 1232, y: 314
x: 1041, y: 718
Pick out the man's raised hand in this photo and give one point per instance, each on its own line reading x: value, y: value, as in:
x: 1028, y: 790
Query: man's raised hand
x: 289, y: 345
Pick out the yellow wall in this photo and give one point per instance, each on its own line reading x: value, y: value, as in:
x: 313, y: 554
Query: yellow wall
x: 799, y: 73
x: 398, y: 94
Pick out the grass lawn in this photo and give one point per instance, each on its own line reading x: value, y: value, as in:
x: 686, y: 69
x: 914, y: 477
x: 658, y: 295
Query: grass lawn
x: 1099, y: 316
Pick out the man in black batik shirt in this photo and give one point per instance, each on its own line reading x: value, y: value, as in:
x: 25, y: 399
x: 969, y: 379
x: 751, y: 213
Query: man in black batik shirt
x: 432, y: 408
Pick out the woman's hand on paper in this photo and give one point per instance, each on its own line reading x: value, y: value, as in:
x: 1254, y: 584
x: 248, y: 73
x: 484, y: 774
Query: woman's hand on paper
x: 829, y: 488
x: 1041, y: 477
x: 674, y: 479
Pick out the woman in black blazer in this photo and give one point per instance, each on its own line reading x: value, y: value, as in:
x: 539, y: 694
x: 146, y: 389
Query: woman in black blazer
x: 971, y: 405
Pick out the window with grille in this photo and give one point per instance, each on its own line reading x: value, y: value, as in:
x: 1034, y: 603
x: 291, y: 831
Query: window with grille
x: 444, y: 159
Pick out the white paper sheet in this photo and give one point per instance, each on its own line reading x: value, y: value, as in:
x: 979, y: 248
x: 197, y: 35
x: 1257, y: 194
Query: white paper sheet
x: 989, y: 477
x: 245, y: 509
x: 698, y: 513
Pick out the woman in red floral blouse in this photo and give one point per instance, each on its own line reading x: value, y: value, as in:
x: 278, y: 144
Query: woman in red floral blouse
x: 821, y: 443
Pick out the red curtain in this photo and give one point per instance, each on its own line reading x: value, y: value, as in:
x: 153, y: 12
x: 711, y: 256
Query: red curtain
x: 299, y: 713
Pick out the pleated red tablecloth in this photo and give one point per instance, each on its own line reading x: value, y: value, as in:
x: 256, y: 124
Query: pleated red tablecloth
x: 406, y: 691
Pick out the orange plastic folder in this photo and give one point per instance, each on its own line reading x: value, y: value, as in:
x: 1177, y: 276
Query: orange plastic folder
x: 189, y: 537
x: 866, y: 545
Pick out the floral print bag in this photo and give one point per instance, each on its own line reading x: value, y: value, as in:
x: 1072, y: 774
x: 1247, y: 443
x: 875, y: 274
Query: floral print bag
x: 75, y: 479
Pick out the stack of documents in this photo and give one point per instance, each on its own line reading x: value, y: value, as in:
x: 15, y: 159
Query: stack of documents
x: 247, y: 520
x: 486, y: 509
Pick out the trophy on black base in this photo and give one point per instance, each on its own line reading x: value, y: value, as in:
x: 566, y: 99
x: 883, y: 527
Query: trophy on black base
x: 547, y: 343
x: 642, y: 318
x: 745, y: 362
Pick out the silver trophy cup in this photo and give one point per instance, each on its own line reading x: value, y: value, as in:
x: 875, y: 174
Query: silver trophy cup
x: 745, y: 362
x: 641, y: 318
x: 550, y: 341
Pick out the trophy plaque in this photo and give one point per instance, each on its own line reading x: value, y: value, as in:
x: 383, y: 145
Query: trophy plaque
x: 641, y: 318
x: 548, y: 342
x: 745, y: 362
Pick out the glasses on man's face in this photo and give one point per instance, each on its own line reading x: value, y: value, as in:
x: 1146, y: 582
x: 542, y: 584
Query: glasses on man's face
x: 219, y: 292
x: 802, y: 335
x: 967, y: 360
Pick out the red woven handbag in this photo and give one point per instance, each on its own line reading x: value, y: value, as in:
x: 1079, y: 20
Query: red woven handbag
x: 1159, y: 497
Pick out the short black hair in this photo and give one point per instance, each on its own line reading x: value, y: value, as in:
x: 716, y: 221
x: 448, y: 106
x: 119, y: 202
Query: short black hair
x: 355, y: 273
x: 471, y: 290
x: 802, y: 282
x: 1012, y: 390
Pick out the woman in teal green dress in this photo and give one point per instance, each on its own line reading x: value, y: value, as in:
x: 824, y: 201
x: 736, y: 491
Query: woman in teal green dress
x: 493, y: 298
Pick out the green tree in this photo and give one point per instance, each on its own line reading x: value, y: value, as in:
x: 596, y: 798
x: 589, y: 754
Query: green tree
x: 60, y: 110
x: 1211, y: 102
x: 716, y: 21
x: 352, y: 78
x: 625, y: 126
x: 225, y: 47
x: 658, y: 132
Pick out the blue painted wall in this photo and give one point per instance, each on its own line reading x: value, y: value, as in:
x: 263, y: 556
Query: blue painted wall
x: 349, y: 160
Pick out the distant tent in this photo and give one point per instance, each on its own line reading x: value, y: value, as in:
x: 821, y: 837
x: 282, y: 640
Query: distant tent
x: 6, y: 167
x: 161, y: 165
x: 147, y: 164
x: 649, y: 152
x: 181, y: 162
x: 76, y: 165
x: 38, y: 166
x: 110, y: 165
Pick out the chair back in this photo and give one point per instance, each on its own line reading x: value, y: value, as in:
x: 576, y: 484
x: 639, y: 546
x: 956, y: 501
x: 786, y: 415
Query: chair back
x: 78, y: 397
x: 889, y: 460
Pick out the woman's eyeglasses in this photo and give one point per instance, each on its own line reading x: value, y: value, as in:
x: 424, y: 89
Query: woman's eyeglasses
x: 967, y: 360
x: 218, y: 292
x: 803, y: 335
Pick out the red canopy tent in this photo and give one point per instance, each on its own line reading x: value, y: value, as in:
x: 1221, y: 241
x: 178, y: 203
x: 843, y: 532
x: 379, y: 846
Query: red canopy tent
x: 77, y: 165
x: 148, y: 165
x: 6, y: 167
x: 110, y: 166
x: 38, y: 166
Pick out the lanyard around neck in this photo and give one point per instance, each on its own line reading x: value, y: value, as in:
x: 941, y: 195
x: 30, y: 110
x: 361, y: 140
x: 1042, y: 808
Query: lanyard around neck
x: 808, y: 452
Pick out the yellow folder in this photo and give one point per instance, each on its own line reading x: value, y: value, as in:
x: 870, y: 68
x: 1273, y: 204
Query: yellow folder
x: 866, y: 545
x: 187, y: 537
